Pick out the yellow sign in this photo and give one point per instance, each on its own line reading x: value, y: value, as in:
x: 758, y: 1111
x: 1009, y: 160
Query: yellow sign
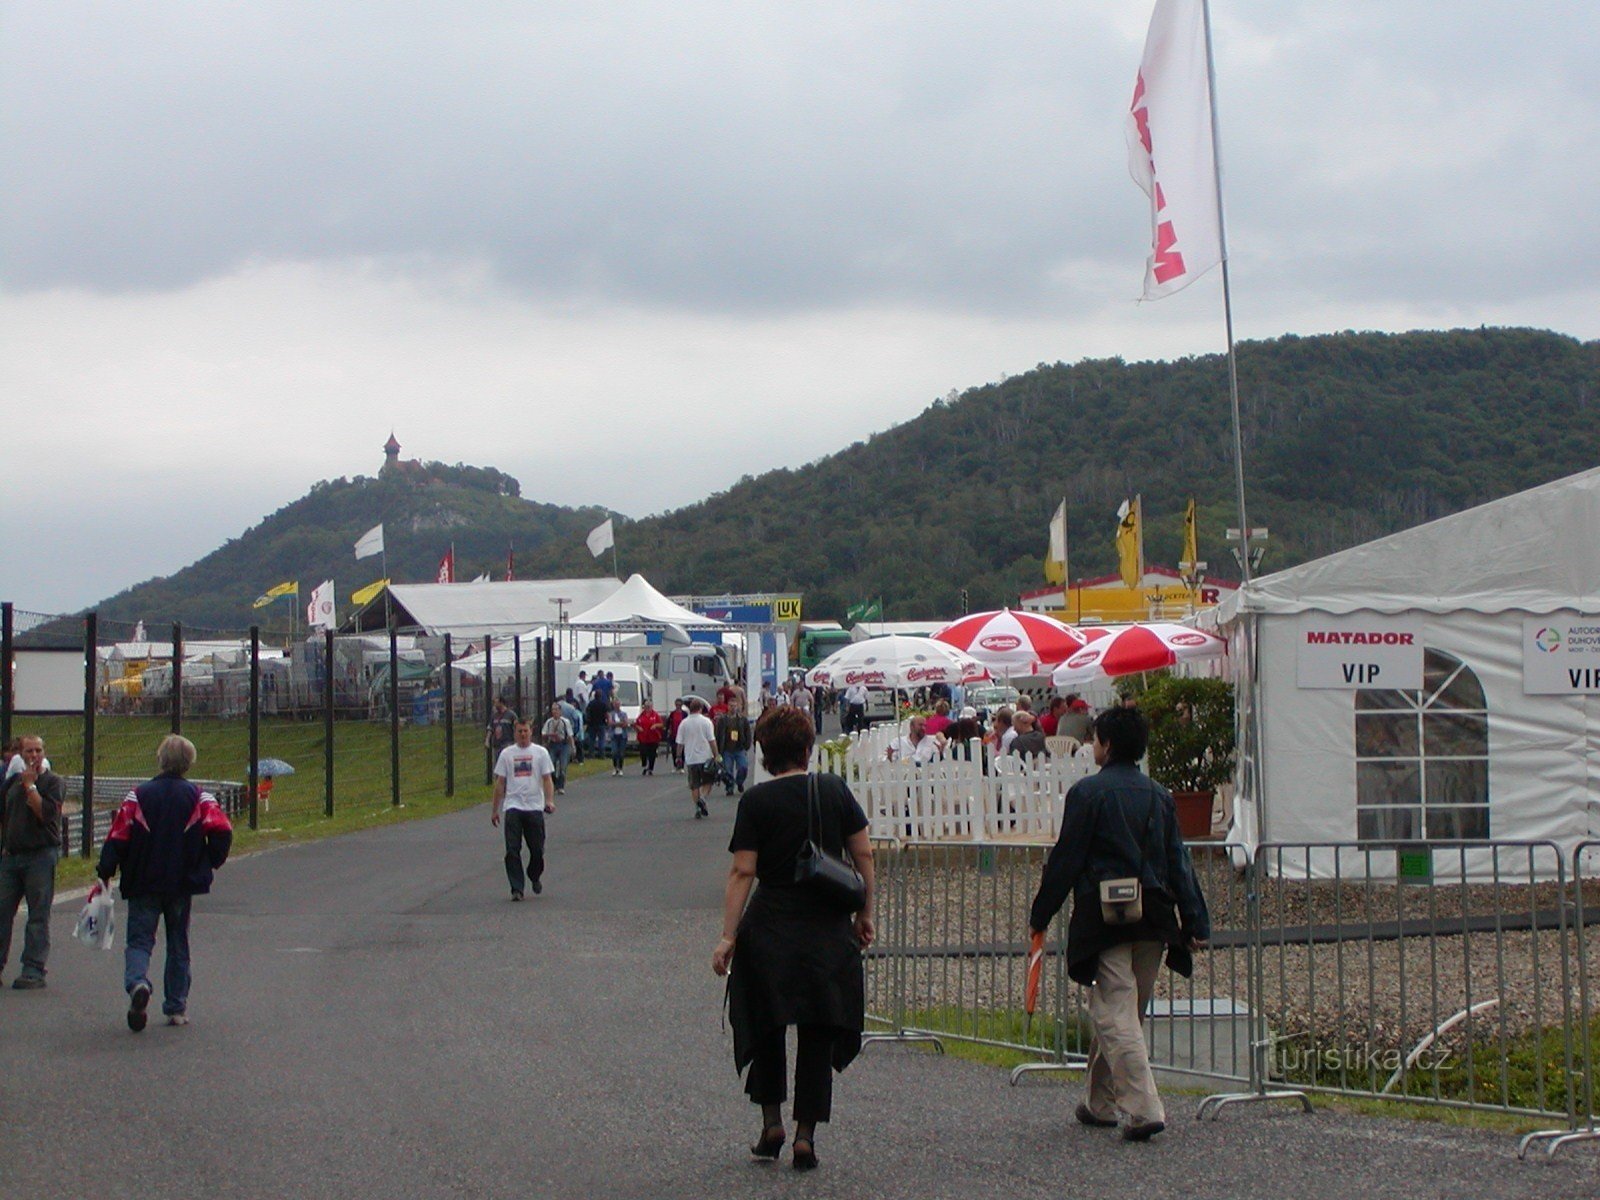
x: 786, y: 608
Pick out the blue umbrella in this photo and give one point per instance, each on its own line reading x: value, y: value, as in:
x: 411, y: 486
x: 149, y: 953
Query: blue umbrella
x: 269, y: 767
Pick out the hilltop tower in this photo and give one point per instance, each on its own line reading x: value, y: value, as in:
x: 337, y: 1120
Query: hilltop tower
x: 391, y: 456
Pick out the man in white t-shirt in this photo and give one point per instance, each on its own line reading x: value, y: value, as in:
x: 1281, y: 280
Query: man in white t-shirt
x: 697, y: 738
x: 524, y: 788
x: 918, y: 746
x: 855, y: 707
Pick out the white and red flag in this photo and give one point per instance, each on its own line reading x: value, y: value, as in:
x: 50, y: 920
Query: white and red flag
x: 321, y: 610
x: 1171, y: 151
x: 447, y: 567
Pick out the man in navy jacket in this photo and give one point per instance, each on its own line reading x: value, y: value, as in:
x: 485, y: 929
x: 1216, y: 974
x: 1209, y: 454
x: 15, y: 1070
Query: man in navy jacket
x: 167, y: 839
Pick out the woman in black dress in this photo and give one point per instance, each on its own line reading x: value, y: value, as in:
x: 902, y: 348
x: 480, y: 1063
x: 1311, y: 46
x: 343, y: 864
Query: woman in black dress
x: 795, y: 961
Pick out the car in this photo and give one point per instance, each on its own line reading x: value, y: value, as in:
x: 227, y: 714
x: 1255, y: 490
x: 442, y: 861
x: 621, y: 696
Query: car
x: 987, y: 697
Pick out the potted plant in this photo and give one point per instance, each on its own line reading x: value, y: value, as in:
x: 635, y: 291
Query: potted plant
x: 1192, y: 748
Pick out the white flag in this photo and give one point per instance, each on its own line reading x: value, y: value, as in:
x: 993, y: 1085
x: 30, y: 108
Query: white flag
x: 371, y: 542
x: 320, y: 611
x: 1055, y: 562
x: 1170, y: 149
x: 601, y: 538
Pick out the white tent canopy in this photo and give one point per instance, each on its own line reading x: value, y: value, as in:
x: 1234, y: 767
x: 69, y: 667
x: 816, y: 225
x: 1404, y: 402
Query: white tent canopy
x: 1482, y: 749
x: 495, y: 609
x: 1534, y: 552
x: 637, y: 605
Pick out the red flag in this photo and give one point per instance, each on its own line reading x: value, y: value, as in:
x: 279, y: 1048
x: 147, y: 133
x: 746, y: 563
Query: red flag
x: 511, y: 564
x: 447, y: 566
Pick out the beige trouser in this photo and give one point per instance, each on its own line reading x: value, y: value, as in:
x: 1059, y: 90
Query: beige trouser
x: 1119, y: 1068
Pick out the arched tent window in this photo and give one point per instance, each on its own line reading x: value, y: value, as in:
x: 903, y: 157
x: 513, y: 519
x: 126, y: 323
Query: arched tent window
x: 1422, y: 758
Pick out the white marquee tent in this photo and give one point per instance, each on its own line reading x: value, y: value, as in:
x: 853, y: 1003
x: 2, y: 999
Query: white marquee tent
x: 637, y: 605
x: 488, y: 609
x: 1439, y: 684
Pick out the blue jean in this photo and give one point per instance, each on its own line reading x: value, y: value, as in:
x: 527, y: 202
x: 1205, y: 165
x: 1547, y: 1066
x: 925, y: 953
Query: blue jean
x: 619, y: 747
x: 737, y: 764
x: 30, y: 876
x: 143, y: 913
x: 559, y: 753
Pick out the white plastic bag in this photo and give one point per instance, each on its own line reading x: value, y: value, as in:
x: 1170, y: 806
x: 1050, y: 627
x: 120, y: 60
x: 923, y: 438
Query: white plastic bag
x: 97, y: 923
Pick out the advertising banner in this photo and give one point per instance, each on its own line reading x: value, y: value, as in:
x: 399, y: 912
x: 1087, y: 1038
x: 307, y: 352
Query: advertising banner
x: 1360, y: 650
x: 1560, y: 655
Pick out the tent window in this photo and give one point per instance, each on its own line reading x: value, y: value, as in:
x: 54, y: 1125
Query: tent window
x: 1422, y: 757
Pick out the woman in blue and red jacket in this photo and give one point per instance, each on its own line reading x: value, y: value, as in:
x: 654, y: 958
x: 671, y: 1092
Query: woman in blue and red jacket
x: 167, y: 839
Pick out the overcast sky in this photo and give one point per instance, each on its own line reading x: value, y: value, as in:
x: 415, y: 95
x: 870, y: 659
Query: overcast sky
x: 240, y: 242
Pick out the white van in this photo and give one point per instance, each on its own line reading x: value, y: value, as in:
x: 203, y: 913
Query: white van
x: 634, y: 684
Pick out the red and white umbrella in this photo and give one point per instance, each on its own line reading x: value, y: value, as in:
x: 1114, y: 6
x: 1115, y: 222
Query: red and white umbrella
x: 1013, y: 643
x: 1133, y: 648
x: 896, y: 662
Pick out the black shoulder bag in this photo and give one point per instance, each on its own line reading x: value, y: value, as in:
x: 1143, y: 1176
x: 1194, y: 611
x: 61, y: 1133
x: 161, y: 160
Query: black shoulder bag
x: 829, y: 878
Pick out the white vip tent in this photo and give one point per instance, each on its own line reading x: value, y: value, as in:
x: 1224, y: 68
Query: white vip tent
x: 1439, y: 684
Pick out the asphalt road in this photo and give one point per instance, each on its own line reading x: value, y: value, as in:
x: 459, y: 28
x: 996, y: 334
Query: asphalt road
x: 373, y: 1017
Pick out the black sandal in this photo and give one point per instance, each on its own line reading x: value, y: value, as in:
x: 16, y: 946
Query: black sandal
x: 770, y: 1142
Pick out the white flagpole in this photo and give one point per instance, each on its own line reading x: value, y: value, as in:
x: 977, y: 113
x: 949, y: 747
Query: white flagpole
x: 1227, y: 304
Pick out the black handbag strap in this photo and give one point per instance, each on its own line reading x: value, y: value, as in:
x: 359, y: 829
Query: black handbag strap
x: 813, y: 811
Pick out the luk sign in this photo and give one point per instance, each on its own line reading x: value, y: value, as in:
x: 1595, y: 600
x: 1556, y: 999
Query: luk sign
x: 1359, y: 651
x: 1560, y: 655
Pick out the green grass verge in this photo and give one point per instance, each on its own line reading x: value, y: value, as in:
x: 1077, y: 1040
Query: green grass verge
x: 294, y: 812
x: 961, y: 1030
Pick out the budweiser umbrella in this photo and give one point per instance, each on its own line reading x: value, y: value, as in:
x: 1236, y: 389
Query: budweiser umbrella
x: 895, y: 662
x: 1133, y: 648
x: 1012, y: 643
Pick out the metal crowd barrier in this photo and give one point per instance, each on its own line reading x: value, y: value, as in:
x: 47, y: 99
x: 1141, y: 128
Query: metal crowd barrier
x: 1582, y: 1031
x: 1455, y: 974
x: 951, y: 962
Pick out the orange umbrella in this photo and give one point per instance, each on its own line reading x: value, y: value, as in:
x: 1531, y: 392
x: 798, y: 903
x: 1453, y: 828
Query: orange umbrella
x: 1030, y: 999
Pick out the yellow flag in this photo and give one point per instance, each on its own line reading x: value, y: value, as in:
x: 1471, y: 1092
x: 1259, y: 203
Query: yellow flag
x: 1129, y: 549
x: 1055, y: 560
x: 371, y: 591
x: 291, y: 588
x: 1191, y: 543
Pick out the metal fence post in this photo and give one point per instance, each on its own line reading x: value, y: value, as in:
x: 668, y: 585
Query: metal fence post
x: 488, y: 708
x: 255, y: 726
x: 516, y: 674
x: 547, y: 659
x: 6, y: 631
x: 394, y: 716
x: 177, y: 677
x: 327, y: 722
x: 90, y: 665
x: 449, y: 722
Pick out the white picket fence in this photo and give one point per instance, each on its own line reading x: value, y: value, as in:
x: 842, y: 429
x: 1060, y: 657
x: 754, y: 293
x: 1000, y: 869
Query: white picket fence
x: 955, y: 798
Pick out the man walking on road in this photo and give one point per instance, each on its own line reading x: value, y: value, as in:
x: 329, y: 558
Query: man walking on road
x: 168, y: 838
x: 697, y: 739
x: 733, y: 743
x: 524, y: 789
x: 30, y: 844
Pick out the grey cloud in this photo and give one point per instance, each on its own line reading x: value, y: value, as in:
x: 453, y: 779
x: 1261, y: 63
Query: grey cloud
x: 734, y: 158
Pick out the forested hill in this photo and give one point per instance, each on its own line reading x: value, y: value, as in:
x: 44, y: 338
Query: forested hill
x: 424, y: 507
x: 1347, y: 437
